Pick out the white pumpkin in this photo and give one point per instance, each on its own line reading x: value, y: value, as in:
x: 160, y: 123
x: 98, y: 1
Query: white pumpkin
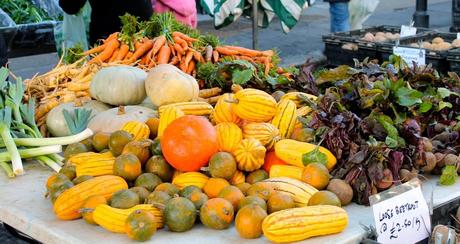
x: 166, y: 84
x: 55, y: 122
x: 119, y: 85
x: 114, y: 119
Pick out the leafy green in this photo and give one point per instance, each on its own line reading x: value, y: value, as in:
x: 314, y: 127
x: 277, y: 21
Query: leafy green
x: 425, y: 107
x: 241, y: 77
x: 408, y: 97
x: 79, y: 121
x: 73, y: 54
x: 393, y: 140
x: 449, y: 175
x: 23, y: 11
x: 314, y: 156
x: 444, y: 92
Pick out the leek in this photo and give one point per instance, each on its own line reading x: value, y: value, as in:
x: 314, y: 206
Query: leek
x: 51, y: 163
x: 13, y: 154
x: 65, y: 140
x: 9, y: 171
x: 31, y: 152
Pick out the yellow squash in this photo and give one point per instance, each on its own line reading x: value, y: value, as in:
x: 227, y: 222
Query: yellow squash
x: 238, y: 178
x: 292, y: 151
x: 113, y: 219
x: 168, y: 116
x: 190, y: 178
x: 298, y: 224
x: 229, y: 136
x: 138, y: 129
x: 304, y: 110
x: 68, y: 204
x: 285, y: 118
x: 296, y: 97
x: 290, y: 171
x: 96, y: 167
x: 249, y: 154
x: 300, y: 191
x: 190, y: 108
x: 223, y: 111
x: 266, y: 133
x: 89, y: 156
x: 254, y: 105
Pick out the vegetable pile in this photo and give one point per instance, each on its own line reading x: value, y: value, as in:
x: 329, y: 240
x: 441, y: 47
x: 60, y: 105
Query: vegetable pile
x: 23, y: 11
x: 20, y: 137
x: 234, y: 161
x: 385, y: 124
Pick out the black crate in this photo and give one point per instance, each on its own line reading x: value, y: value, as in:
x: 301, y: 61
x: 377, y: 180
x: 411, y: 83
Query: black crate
x: 29, y: 39
x: 337, y: 55
x: 437, y: 58
x: 453, y: 58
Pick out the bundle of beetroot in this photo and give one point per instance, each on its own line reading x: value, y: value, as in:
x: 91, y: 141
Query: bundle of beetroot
x: 386, y: 124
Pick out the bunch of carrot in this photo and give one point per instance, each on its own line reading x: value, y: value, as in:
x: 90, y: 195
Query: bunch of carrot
x: 178, y: 50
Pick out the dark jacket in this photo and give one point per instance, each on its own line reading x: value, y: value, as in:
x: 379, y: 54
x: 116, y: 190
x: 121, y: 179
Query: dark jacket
x: 105, y: 14
x: 3, y: 51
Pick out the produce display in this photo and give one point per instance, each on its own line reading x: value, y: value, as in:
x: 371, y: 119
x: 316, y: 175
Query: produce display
x: 438, y: 44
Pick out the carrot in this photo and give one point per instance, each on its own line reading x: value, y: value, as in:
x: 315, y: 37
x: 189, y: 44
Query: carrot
x: 245, y: 51
x: 143, y: 60
x: 114, y: 55
x: 269, y: 53
x: 215, y: 56
x: 173, y: 51
x: 137, y: 44
x: 163, y: 55
x: 182, y: 65
x: 245, y: 58
x: 122, y: 53
x: 191, y: 67
x: 226, y: 51
x: 141, y: 50
x: 151, y: 64
x: 178, y: 48
x: 112, y: 36
x: 128, y: 55
x: 213, y: 100
x: 267, y: 65
x: 159, y: 42
x: 96, y: 49
x: 77, y: 86
x: 43, y: 109
x: 188, y: 57
x: 174, y: 60
x: 148, y: 57
x: 184, y: 36
x: 181, y: 42
x: 107, y: 53
x: 210, y: 92
x: 198, y: 57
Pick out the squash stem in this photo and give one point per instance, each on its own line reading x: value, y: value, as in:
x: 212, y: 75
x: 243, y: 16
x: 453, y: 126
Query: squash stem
x: 65, y: 140
x: 46, y: 160
x: 7, y: 168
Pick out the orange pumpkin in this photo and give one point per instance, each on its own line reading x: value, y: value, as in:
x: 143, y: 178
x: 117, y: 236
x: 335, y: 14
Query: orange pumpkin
x: 213, y: 186
x: 270, y: 160
x: 188, y: 143
x: 248, y: 221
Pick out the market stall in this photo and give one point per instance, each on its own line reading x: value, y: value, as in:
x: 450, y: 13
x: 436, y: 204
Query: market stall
x: 162, y: 133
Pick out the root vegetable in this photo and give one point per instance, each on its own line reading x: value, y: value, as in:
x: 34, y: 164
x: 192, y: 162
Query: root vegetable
x: 406, y: 175
x: 430, y: 161
x: 439, y: 159
x: 450, y: 159
x: 428, y: 147
x: 387, y: 180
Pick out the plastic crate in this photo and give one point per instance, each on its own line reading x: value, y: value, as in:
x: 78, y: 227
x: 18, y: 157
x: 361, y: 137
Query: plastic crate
x: 29, y: 39
x: 337, y: 55
x: 437, y: 58
x: 453, y: 58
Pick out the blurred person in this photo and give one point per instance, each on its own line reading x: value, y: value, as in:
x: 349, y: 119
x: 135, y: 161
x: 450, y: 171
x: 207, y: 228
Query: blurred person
x: 339, y: 15
x: 183, y: 10
x: 3, y: 51
x: 105, y: 15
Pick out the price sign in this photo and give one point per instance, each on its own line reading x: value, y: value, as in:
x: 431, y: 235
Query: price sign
x: 407, y: 31
x: 404, y: 218
x: 411, y: 55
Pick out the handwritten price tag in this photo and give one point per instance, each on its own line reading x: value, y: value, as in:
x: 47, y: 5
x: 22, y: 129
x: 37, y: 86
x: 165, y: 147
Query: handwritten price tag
x: 411, y: 55
x: 407, y: 31
x: 402, y: 218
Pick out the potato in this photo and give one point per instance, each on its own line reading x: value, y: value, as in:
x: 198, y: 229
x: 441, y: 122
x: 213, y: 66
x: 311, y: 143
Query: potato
x: 389, y: 35
x: 426, y: 45
x: 380, y: 38
x: 456, y: 43
x: 444, y: 46
x: 379, y: 34
x: 350, y: 46
x: 437, y: 40
x: 396, y: 36
x: 368, y: 37
x: 414, y: 45
x: 342, y: 189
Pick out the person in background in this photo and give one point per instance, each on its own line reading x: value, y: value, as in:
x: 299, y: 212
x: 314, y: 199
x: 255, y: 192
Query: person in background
x: 3, y: 52
x: 105, y: 14
x: 339, y: 15
x: 184, y: 10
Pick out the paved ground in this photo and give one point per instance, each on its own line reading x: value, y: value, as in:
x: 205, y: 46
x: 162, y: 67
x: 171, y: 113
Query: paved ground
x: 293, y: 47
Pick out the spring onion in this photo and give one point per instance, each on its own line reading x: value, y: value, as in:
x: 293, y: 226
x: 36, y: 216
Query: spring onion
x: 32, y: 152
x: 13, y: 154
x: 6, y: 166
x: 65, y: 140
